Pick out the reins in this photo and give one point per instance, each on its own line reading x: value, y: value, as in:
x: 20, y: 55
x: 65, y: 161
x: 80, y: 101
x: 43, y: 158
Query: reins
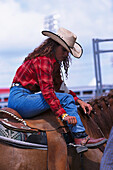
x: 96, y: 125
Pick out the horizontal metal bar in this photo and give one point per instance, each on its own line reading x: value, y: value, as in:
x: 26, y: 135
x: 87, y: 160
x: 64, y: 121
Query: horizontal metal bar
x: 103, y: 51
x: 101, y: 40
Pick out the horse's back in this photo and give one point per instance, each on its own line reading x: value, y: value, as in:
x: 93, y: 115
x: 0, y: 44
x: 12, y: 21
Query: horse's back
x: 22, y: 159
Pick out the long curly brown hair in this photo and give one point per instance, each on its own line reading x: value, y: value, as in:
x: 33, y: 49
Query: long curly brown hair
x: 47, y: 48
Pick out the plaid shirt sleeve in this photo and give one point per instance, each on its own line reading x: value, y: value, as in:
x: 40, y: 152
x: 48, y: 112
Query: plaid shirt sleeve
x: 74, y: 95
x: 44, y: 72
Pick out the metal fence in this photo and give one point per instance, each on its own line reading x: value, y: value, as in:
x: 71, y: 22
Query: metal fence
x: 4, y: 100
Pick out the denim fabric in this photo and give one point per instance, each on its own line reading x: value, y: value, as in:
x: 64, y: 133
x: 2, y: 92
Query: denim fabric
x: 107, y: 158
x: 28, y: 104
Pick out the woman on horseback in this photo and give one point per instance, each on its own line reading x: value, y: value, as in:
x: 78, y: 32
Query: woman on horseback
x: 38, y: 86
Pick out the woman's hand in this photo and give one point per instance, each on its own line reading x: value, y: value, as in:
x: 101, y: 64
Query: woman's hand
x: 71, y: 120
x: 85, y: 106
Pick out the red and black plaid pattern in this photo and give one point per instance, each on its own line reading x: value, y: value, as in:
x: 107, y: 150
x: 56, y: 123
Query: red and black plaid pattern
x: 42, y: 73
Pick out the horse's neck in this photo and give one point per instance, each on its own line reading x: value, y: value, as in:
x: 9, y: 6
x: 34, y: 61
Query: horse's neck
x: 101, y: 119
x: 90, y: 125
x: 103, y: 114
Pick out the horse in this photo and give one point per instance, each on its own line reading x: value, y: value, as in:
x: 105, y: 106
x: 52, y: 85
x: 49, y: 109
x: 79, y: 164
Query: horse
x: 98, y: 124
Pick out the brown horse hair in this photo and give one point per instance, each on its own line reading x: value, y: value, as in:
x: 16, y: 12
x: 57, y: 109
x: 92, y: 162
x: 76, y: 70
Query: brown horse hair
x: 100, y: 121
x: 99, y: 100
x: 102, y: 112
x: 47, y: 48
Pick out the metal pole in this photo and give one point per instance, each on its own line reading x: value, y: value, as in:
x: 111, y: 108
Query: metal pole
x: 99, y: 80
x: 97, y: 67
x: 96, y: 53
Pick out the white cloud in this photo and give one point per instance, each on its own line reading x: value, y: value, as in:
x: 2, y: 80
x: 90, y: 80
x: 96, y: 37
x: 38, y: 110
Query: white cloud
x: 18, y: 29
x: 8, y: 68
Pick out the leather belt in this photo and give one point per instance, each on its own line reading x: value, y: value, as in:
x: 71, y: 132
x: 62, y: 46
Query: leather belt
x: 15, y: 84
x: 19, y: 85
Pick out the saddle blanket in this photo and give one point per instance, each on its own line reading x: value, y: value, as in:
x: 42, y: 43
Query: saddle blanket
x: 34, y: 137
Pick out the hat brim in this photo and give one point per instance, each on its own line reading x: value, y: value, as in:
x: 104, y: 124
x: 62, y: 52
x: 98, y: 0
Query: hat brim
x: 76, y: 51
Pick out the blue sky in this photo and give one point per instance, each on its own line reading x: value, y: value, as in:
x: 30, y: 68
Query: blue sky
x: 21, y: 23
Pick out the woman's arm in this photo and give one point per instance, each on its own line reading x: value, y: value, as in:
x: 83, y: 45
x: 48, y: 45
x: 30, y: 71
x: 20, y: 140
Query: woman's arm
x: 44, y: 70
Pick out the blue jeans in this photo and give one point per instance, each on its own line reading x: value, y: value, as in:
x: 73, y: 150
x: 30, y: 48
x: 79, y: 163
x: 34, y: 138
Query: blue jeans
x: 29, y: 104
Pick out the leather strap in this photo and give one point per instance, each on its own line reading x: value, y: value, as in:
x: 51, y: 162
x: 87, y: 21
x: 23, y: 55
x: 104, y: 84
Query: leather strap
x: 57, y: 145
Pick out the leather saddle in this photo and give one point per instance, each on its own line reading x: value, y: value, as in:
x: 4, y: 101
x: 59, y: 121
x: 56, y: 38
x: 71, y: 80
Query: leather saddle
x: 46, y: 122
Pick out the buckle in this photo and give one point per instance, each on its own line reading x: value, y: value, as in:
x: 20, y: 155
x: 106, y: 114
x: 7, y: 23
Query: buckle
x: 15, y: 84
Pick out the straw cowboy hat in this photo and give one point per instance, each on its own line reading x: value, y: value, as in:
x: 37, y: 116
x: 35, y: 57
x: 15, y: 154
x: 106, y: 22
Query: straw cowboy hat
x: 67, y: 39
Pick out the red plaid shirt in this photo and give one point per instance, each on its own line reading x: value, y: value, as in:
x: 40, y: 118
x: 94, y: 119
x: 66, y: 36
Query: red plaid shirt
x: 42, y: 73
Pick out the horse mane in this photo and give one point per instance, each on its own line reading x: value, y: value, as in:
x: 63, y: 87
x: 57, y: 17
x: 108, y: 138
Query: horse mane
x: 104, y: 98
x: 101, y: 116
